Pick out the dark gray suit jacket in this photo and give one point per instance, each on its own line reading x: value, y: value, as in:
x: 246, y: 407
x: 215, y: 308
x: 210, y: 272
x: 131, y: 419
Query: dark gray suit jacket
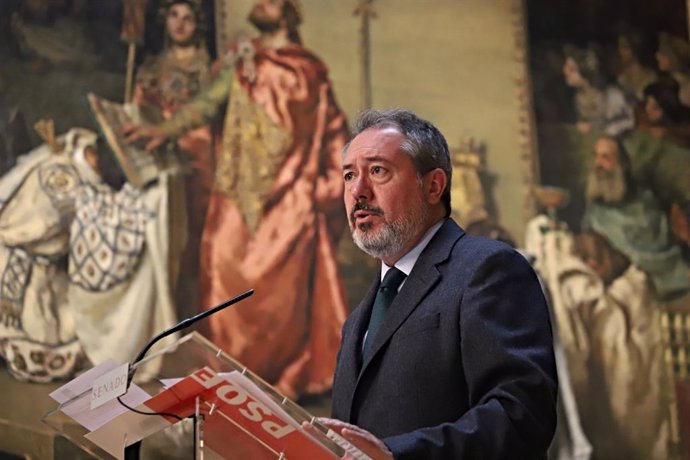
x: 463, y: 366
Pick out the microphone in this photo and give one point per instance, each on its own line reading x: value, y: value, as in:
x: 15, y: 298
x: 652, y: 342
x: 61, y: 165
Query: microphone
x: 132, y: 451
x: 182, y: 325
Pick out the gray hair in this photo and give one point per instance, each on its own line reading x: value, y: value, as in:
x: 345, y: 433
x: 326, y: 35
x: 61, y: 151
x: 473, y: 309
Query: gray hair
x: 424, y: 142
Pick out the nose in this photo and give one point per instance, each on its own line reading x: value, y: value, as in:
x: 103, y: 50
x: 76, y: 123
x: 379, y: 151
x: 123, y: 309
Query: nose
x: 600, y: 162
x: 360, y: 188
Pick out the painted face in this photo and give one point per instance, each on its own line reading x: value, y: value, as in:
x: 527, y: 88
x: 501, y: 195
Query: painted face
x: 654, y: 112
x: 606, y: 181
x: 663, y: 61
x: 387, y: 207
x: 266, y: 12
x: 181, y: 24
x: 572, y: 73
x: 605, y: 155
x: 625, y: 51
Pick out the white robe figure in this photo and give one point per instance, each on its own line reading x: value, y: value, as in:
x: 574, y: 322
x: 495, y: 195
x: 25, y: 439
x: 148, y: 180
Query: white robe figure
x: 83, y: 268
x: 611, y: 338
x: 120, y: 289
x: 37, y: 336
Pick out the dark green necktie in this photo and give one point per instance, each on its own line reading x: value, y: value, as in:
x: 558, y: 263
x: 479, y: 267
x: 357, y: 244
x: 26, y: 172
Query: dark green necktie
x: 384, y: 297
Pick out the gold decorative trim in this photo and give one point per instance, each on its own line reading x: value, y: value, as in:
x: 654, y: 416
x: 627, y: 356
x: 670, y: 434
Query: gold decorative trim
x: 254, y: 147
x: 222, y: 13
x: 527, y: 139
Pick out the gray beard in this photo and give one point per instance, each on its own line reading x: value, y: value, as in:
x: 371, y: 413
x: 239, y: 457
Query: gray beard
x: 609, y: 187
x: 392, y: 236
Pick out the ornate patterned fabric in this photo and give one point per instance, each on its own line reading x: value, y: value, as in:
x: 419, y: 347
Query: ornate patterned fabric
x: 107, y: 237
x: 120, y: 287
x: 166, y: 83
x: 37, y: 337
x: 253, y: 150
x: 275, y: 215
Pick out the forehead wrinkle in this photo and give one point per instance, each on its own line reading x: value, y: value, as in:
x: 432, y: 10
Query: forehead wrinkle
x: 376, y: 157
x: 374, y: 140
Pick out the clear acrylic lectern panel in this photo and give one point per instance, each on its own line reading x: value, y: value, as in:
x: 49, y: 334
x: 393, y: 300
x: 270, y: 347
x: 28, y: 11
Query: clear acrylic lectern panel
x: 203, y: 399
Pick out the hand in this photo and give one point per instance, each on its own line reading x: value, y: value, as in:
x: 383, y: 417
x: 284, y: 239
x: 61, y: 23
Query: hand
x: 360, y: 438
x: 154, y: 133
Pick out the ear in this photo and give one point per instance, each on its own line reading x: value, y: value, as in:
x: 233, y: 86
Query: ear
x: 435, y: 184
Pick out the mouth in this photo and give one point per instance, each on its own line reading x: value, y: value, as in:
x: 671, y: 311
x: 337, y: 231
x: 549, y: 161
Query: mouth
x: 363, y: 214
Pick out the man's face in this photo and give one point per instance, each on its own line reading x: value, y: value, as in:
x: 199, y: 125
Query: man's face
x: 387, y: 208
x: 266, y: 14
x: 605, y: 155
x: 606, y: 182
x: 181, y: 24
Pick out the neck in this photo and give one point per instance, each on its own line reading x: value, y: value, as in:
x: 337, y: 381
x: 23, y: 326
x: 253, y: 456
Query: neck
x: 275, y: 39
x: 182, y: 53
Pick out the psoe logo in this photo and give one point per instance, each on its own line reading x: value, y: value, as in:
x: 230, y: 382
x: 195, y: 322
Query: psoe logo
x: 248, y: 407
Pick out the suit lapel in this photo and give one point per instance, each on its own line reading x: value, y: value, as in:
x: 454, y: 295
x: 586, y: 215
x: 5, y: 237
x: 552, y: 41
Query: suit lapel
x: 424, y: 276
x: 351, y: 349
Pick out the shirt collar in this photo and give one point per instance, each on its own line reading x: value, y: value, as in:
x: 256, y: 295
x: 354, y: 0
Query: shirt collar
x: 406, y: 262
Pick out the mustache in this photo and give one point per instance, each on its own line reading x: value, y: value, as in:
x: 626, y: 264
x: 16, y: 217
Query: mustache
x: 364, y: 207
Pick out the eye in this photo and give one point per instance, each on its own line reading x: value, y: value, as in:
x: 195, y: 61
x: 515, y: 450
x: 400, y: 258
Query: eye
x: 348, y: 176
x: 377, y: 170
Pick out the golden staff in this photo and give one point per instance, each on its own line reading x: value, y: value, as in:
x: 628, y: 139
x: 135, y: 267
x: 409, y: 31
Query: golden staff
x: 365, y: 10
x: 133, y: 23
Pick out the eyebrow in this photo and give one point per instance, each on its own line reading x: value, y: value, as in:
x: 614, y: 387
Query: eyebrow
x: 371, y: 159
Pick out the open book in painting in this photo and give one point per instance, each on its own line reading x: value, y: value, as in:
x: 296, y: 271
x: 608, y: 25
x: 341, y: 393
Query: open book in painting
x: 140, y: 167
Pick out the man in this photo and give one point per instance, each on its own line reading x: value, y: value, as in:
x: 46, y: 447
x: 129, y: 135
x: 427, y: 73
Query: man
x: 275, y: 212
x: 632, y: 219
x: 608, y: 286
x: 462, y: 363
x: 663, y: 167
x: 614, y: 385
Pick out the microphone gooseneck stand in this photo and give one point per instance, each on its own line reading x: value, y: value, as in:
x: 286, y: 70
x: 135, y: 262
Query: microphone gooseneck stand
x: 132, y: 452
